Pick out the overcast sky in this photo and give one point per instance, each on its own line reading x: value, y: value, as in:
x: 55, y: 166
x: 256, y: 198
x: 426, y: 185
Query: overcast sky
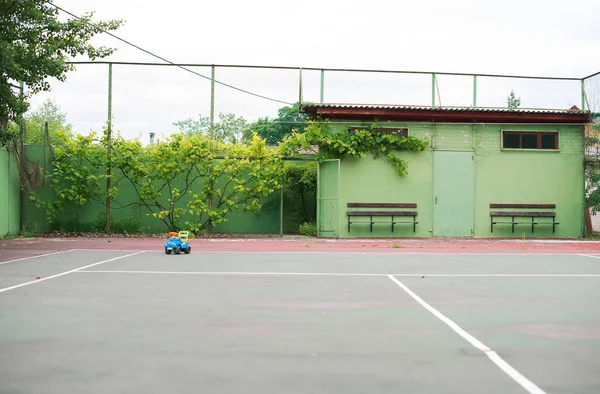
x: 539, y: 38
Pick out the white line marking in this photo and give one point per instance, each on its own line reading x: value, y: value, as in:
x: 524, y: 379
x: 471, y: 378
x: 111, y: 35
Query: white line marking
x: 222, y: 273
x: 492, y: 355
x: 33, y: 257
x: 242, y: 273
x: 589, y: 255
x: 64, y: 273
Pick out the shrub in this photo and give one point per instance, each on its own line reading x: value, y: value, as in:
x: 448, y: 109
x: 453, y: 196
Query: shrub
x: 308, y: 229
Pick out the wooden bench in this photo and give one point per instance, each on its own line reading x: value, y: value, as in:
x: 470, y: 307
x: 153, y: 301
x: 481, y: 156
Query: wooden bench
x: 392, y: 211
x: 523, y: 214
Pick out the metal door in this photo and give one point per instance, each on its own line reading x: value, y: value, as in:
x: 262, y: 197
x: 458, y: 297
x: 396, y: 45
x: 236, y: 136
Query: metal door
x: 328, y: 195
x: 453, y: 188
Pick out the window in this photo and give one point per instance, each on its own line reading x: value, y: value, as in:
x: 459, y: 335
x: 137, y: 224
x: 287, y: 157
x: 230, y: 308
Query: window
x: 399, y: 132
x: 529, y: 140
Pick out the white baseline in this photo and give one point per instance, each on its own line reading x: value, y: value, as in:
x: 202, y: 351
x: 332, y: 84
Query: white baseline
x: 65, y: 273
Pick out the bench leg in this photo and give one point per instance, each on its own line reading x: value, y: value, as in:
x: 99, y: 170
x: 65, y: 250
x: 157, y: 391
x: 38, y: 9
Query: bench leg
x: 513, y: 224
x: 532, y: 230
x: 348, y: 223
x: 371, y: 220
x: 414, y: 224
x: 491, y: 224
x: 553, y: 224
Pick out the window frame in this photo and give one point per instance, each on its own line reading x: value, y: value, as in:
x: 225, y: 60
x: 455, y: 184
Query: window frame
x: 539, y: 135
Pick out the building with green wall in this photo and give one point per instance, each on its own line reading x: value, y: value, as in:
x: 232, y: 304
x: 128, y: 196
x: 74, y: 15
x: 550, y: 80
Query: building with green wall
x: 475, y: 157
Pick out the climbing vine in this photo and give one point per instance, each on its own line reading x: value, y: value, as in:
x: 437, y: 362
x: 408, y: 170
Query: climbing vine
x: 359, y: 143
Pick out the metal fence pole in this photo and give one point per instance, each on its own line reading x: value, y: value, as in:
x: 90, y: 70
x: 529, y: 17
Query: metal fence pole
x: 433, y: 90
x: 583, y: 94
x: 212, y: 135
x: 300, y: 88
x: 322, y: 92
x: 108, y: 147
x: 212, y: 101
x: 21, y: 153
x: 474, y: 91
x: 281, y: 211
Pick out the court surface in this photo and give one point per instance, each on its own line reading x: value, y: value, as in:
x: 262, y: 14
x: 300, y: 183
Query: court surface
x: 139, y: 321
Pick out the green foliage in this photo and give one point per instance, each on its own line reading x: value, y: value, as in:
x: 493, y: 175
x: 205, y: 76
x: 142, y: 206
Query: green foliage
x: 300, y: 180
x: 50, y: 112
x: 592, y: 168
x: 342, y: 145
x: 228, y: 128
x: 78, y: 169
x: 35, y: 44
x: 512, y: 101
x: 289, y: 120
x: 8, y: 236
x: 29, y: 232
x: 592, y: 187
x: 195, y: 181
x: 308, y: 229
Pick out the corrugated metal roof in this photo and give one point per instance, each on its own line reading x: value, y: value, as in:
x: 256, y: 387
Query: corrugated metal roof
x: 446, y: 109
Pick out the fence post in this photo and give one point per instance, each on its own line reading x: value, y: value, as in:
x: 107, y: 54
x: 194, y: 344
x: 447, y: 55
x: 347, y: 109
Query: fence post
x: 21, y: 153
x: 281, y: 211
x: 433, y: 90
x: 583, y: 94
x: 322, y: 92
x: 300, y: 89
x: 108, y: 147
x: 474, y: 91
x: 212, y: 101
x: 212, y: 135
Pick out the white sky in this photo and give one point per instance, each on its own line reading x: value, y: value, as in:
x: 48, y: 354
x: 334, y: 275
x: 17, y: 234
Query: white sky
x: 541, y: 38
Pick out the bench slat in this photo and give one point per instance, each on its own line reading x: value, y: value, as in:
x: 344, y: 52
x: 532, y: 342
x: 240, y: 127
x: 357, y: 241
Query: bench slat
x: 381, y: 205
x: 523, y: 214
x: 381, y: 213
x: 526, y: 206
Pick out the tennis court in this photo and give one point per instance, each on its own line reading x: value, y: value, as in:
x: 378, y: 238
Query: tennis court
x: 234, y: 319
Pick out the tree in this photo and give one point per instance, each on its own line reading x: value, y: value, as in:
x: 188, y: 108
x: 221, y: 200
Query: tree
x: 78, y: 172
x: 512, y: 101
x: 50, y: 112
x: 228, y: 128
x: 35, y: 46
x: 300, y: 180
x: 196, y: 181
x: 289, y: 119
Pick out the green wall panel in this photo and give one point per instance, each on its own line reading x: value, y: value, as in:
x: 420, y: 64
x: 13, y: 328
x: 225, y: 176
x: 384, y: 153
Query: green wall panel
x: 10, y: 194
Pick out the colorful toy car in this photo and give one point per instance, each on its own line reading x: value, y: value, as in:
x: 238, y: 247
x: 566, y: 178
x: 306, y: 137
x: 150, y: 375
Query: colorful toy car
x: 178, y: 242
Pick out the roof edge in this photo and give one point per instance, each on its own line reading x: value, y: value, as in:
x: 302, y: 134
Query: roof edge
x: 445, y: 114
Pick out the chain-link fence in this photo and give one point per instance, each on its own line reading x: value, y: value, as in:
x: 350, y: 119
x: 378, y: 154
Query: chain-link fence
x: 149, y: 98
x: 592, y: 94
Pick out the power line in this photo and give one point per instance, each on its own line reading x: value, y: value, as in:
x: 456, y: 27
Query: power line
x: 173, y: 64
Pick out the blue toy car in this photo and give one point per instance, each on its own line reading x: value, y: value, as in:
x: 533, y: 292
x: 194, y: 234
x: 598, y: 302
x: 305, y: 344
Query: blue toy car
x: 178, y: 242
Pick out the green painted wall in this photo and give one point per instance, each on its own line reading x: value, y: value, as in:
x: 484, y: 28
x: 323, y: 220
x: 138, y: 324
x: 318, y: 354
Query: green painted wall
x: 500, y: 176
x: 530, y: 177
x: 91, y: 217
x: 10, y: 194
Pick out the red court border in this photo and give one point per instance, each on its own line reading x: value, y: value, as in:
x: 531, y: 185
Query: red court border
x: 24, y: 247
